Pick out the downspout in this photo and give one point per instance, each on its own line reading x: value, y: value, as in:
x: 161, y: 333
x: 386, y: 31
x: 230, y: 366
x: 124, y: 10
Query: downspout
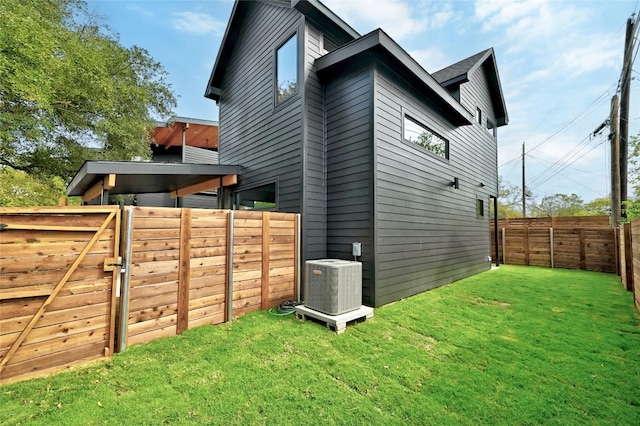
x: 495, y: 230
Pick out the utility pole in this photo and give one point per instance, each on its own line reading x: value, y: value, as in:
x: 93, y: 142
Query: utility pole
x: 625, y: 88
x: 524, y: 191
x: 615, y: 163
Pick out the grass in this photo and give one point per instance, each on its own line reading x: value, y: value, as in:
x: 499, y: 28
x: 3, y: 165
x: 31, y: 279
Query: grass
x: 518, y: 345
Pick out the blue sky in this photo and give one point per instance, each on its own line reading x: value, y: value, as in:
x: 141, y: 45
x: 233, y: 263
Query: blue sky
x: 559, y: 63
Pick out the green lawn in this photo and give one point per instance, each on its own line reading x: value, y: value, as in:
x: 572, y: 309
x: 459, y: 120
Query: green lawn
x: 518, y: 345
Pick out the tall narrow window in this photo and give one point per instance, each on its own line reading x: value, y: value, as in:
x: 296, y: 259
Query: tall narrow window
x: 478, y: 115
x: 491, y: 128
x: 287, y: 70
x: 426, y: 138
x: 480, y: 207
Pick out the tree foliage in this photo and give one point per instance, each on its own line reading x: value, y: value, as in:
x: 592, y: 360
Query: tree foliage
x: 20, y: 189
x: 509, y: 199
x: 69, y: 91
x: 559, y: 205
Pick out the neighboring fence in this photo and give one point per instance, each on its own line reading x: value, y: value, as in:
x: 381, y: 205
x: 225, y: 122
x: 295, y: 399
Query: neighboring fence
x: 635, y: 250
x: 57, y: 290
x: 60, y: 269
x: 629, y: 238
x: 558, y: 242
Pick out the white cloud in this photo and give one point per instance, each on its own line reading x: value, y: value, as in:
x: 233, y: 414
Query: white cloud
x: 431, y: 59
x: 399, y: 18
x: 138, y: 9
x: 198, y: 23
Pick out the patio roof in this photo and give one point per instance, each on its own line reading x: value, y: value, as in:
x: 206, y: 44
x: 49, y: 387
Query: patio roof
x: 127, y: 177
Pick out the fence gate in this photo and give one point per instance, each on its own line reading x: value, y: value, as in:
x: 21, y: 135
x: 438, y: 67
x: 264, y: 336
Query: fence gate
x: 58, y: 276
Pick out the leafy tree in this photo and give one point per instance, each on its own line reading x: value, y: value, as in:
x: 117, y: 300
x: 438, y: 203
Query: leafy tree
x: 598, y: 207
x: 19, y: 189
x: 559, y: 205
x: 634, y: 162
x: 69, y: 91
x: 632, y: 206
x: 509, y: 199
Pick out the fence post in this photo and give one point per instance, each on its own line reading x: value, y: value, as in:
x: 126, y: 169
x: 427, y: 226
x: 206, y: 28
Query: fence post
x: 583, y: 251
x: 264, y: 299
x: 123, y: 318
x: 551, y: 246
x: 184, y: 271
x: 298, y: 257
x: 628, y: 256
x: 504, y: 246
x: 229, y: 312
x: 526, y: 245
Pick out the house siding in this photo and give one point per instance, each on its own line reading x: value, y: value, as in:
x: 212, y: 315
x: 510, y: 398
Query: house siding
x: 314, y: 189
x: 266, y: 139
x: 349, y: 170
x: 427, y: 233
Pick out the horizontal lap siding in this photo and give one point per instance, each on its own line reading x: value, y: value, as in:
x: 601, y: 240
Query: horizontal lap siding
x: 349, y: 174
x: 264, y: 140
x: 315, y: 207
x: 427, y: 233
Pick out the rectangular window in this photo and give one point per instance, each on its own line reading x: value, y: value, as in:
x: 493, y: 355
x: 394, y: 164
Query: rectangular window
x: 480, y: 208
x: 287, y: 70
x: 424, y: 137
x: 328, y: 45
x: 478, y: 115
x: 258, y: 198
x: 491, y: 128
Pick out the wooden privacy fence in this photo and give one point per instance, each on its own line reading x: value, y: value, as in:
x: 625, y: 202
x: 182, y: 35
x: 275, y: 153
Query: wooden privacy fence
x: 193, y: 266
x: 629, y: 238
x: 61, y: 270
x: 558, y: 242
x: 57, y: 287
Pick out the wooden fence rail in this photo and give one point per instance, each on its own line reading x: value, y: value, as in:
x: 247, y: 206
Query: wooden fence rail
x: 563, y: 242
x: 62, y: 268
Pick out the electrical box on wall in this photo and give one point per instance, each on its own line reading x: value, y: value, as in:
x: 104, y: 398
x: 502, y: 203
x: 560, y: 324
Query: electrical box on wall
x: 356, y: 249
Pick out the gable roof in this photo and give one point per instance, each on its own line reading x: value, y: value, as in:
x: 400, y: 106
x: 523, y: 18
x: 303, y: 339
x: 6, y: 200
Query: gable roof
x: 379, y: 44
x: 312, y: 9
x: 458, y: 73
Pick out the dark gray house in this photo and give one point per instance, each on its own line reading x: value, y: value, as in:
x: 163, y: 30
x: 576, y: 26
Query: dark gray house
x: 353, y: 133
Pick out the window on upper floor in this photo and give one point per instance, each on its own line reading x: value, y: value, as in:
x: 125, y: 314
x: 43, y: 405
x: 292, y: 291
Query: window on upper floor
x: 328, y: 45
x: 287, y: 70
x: 421, y: 135
x: 478, y: 115
x: 491, y: 128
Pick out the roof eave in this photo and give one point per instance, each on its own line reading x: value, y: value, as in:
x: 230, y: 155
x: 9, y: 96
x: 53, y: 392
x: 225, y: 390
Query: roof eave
x: 379, y: 40
x: 212, y: 90
x: 318, y: 12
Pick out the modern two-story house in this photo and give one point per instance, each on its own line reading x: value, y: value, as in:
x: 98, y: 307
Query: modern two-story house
x: 353, y: 133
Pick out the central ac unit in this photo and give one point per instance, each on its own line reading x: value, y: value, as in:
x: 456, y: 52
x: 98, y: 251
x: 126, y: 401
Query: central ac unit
x: 333, y: 286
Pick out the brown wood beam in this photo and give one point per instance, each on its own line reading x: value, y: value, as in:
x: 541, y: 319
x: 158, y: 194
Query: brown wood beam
x: 207, y: 185
x: 105, y: 184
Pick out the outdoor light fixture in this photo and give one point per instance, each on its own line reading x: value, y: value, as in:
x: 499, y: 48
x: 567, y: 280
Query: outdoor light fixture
x: 481, y: 185
x: 455, y: 183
